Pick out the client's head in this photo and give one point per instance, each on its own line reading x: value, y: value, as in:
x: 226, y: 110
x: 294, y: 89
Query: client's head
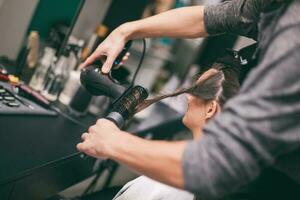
x: 206, y: 96
x: 209, y: 93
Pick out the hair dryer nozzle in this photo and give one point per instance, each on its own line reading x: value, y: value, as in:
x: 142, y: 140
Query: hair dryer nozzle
x: 124, y: 108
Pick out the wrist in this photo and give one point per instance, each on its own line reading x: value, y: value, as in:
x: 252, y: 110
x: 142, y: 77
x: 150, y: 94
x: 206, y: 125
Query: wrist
x: 112, y: 147
x: 127, y: 30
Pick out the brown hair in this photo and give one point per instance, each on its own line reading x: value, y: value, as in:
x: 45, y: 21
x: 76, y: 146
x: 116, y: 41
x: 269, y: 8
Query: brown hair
x: 218, y: 83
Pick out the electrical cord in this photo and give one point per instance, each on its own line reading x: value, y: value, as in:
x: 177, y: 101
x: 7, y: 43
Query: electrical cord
x: 67, y: 116
x: 140, y: 62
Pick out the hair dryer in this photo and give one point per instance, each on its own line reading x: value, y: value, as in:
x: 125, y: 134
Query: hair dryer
x: 97, y: 83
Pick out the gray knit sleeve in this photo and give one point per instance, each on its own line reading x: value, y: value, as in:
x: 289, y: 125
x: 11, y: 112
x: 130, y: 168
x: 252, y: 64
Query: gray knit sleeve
x: 236, y: 17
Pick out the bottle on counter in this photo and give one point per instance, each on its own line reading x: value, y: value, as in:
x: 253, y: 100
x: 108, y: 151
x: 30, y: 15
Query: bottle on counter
x: 73, y: 82
x: 71, y: 86
x: 57, y: 76
x: 33, y: 46
x: 96, y: 38
x: 28, y: 58
x: 38, y: 79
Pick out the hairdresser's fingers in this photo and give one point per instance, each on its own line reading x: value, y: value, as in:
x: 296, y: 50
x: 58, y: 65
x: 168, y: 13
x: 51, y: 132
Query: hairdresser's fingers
x: 122, y: 62
x: 108, y: 63
x: 124, y: 59
x: 84, y: 136
x: 92, y: 58
x: 83, y: 146
x: 80, y: 147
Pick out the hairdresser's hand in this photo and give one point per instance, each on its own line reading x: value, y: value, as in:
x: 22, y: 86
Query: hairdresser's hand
x: 100, y: 139
x: 108, y: 50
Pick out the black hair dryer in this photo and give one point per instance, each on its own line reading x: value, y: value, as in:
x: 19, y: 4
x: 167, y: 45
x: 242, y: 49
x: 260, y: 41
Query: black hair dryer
x: 97, y: 83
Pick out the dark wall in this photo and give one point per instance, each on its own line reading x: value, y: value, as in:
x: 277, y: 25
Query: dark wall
x: 50, y: 12
x: 121, y: 11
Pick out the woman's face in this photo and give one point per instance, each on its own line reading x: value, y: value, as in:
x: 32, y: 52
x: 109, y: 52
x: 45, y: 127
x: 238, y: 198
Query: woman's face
x: 197, y: 113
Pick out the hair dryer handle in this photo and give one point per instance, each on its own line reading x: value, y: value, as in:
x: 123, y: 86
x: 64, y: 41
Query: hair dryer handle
x: 122, y: 54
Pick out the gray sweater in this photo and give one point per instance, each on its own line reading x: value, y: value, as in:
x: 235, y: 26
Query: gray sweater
x: 260, y: 127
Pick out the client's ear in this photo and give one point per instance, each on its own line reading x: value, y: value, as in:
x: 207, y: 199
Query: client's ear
x: 212, y: 108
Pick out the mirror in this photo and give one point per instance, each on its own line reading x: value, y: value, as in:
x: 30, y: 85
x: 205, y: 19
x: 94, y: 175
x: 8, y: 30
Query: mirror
x: 19, y: 18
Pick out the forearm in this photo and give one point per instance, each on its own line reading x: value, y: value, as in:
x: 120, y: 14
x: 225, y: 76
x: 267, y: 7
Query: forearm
x: 159, y: 160
x: 184, y: 22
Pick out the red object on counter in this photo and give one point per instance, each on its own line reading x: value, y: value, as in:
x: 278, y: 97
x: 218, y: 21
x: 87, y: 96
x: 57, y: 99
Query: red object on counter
x: 33, y: 95
x: 4, y: 78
